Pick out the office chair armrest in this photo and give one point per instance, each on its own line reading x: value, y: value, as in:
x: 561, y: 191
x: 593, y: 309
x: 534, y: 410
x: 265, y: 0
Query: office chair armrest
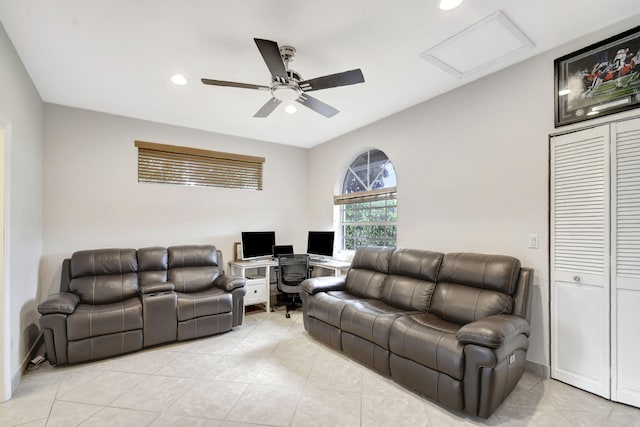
x: 229, y: 283
x: 323, y: 284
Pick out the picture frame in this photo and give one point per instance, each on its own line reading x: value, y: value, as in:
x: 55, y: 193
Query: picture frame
x: 600, y: 79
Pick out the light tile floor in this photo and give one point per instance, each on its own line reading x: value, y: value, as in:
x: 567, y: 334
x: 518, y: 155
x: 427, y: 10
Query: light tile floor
x: 270, y: 372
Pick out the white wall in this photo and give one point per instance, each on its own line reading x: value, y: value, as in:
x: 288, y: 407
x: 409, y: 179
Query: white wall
x: 92, y: 198
x: 472, y: 169
x: 21, y: 116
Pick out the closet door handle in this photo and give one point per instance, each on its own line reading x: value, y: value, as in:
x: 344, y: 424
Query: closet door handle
x: 576, y: 278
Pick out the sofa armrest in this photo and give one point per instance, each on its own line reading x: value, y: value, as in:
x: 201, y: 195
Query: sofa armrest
x: 61, y: 302
x: 156, y: 287
x: 229, y: 283
x: 493, y: 331
x: 323, y: 284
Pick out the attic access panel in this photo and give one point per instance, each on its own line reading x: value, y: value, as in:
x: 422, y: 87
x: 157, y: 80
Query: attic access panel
x: 493, y: 39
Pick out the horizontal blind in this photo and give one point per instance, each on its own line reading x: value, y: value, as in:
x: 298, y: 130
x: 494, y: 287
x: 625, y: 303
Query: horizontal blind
x: 365, y: 196
x: 628, y: 204
x: 169, y: 164
x: 580, y: 201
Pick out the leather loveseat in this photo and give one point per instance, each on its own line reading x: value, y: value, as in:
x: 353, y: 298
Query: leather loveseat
x: 452, y: 326
x: 115, y: 301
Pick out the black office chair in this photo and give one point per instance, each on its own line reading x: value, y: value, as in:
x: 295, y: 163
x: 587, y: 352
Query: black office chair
x: 292, y: 270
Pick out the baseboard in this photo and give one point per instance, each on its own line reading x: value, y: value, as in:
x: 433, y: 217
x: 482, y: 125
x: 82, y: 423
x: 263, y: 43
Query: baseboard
x: 17, y: 377
x: 537, y: 369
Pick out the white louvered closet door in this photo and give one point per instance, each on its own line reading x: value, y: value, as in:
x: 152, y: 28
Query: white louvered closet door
x: 625, y: 262
x: 580, y: 238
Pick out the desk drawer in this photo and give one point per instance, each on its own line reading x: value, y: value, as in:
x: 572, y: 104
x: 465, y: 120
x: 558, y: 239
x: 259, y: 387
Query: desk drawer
x: 256, y: 291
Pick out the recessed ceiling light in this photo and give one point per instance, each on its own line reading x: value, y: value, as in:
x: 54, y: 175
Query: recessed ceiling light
x: 290, y: 109
x: 449, y: 4
x: 564, y: 92
x: 179, y: 79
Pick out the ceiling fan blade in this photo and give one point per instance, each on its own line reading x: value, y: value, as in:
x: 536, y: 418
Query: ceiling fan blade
x: 268, y: 108
x: 333, y: 80
x: 316, y: 105
x: 271, y: 54
x: 233, y: 84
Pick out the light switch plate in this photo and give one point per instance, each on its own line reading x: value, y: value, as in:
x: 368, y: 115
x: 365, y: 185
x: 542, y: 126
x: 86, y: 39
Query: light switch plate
x: 533, y: 241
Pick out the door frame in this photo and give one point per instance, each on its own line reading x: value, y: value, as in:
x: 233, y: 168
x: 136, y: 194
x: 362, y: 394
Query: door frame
x: 6, y: 388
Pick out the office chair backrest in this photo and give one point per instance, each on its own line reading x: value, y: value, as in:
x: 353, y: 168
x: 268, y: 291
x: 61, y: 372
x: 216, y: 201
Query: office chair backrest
x: 292, y: 270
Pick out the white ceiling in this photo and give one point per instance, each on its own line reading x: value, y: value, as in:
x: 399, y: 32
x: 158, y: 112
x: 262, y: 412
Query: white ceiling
x: 116, y: 56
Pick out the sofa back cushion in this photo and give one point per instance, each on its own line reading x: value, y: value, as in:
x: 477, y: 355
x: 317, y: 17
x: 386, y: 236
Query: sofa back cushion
x: 104, y: 276
x: 473, y: 286
x: 152, y: 265
x: 411, y: 280
x: 368, y: 272
x: 192, y: 268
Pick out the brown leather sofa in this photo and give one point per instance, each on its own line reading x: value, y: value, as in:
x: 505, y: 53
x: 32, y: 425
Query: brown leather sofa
x: 454, y: 327
x: 115, y: 301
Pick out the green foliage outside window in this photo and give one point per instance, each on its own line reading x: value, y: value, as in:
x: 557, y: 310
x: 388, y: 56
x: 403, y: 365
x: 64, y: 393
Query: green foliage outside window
x: 369, y: 223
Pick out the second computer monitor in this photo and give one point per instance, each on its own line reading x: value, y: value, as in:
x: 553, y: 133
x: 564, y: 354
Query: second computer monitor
x: 320, y: 243
x: 282, y: 250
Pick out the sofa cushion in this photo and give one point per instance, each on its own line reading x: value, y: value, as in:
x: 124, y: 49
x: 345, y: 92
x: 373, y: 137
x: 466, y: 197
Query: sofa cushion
x: 419, y: 264
x: 192, y: 256
x: 407, y: 293
x: 370, y: 320
x: 428, y: 341
x: 192, y: 268
x: 326, y: 307
x: 473, y: 286
x: 204, y: 303
x: 365, y: 283
x: 103, y: 261
x: 105, y: 289
x: 495, y: 272
x: 104, y: 276
x: 94, y: 320
x: 463, y: 304
x: 152, y: 265
x: 374, y: 258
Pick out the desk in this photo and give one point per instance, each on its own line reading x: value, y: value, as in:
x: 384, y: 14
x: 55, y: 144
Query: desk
x: 258, y: 276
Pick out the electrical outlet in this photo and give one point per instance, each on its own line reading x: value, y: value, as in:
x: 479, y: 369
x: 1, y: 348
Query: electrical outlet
x: 533, y: 241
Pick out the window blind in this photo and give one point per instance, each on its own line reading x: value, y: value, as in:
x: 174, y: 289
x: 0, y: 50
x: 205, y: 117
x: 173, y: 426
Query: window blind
x: 365, y: 196
x: 170, y: 164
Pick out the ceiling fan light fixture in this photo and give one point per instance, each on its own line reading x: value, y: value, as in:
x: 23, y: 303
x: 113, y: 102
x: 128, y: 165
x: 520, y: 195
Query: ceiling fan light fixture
x: 179, y: 79
x: 449, y: 4
x: 285, y: 92
x: 291, y: 109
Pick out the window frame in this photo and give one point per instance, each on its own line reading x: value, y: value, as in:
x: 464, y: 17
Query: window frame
x: 371, y: 197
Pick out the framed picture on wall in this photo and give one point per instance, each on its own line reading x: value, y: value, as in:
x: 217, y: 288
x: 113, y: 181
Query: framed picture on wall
x: 600, y: 79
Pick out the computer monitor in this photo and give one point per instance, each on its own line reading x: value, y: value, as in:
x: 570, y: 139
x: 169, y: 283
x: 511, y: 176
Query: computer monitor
x: 320, y: 243
x: 257, y: 244
x: 282, y: 250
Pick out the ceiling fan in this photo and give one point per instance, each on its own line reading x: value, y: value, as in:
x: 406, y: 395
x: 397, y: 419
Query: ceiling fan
x: 287, y: 85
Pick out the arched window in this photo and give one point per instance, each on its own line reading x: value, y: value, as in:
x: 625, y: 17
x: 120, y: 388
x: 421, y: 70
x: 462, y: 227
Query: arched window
x: 368, y: 205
